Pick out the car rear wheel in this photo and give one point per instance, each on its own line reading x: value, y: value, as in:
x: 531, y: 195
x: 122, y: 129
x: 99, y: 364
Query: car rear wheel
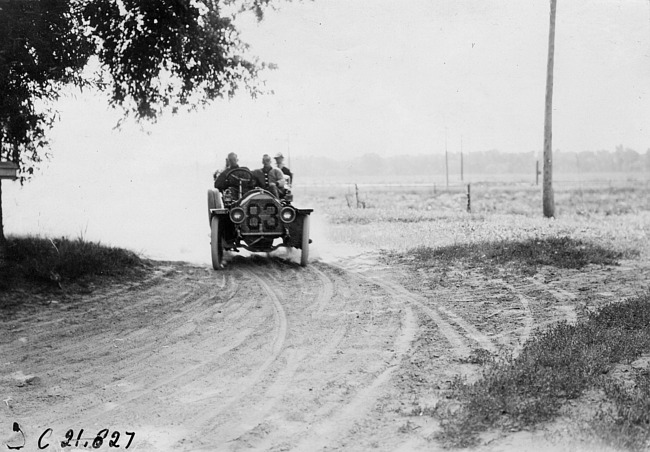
x: 215, y: 243
x: 304, y: 256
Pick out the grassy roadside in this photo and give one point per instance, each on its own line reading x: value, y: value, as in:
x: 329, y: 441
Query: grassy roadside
x: 63, y: 266
x: 559, y: 366
x: 524, y: 256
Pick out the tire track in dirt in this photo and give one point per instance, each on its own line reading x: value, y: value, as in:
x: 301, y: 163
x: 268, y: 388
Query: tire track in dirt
x: 128, y: 362
x: 519, y: 330
x: 190, y: 315
x: 270, y: 428
x: 458, y: 341
x: 279, y: 339
x: 326, y: 294
x: 144, y: 366
x: 526, y: 331
x: 236, y: 428
x: 333, y: 421
x: 79, y: 314
x: 563, y: 296
x: 460, y: 345
x: 84, y: 316
x: 472, y: 332
x: 340, y: 422
x: 149, y: 281
x: 237, y: 341
x: 324, y: 300
x: 246, y: 430
x: 243, y: 318
x: 560, y: 295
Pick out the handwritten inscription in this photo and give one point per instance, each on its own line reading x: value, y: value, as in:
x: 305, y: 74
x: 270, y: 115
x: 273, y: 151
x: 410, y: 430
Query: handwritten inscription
x: 103, y: 438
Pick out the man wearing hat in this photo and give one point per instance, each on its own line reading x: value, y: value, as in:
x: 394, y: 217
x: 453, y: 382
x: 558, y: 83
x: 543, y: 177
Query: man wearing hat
x: 279, y: 160
x: 269, y: 178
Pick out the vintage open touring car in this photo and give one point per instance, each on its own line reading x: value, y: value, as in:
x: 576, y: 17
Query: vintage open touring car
x: 245, y: 216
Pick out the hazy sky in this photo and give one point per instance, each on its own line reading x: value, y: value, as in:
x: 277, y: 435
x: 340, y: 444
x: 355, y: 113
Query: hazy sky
x: 354, y: 76
x: 391, y: 77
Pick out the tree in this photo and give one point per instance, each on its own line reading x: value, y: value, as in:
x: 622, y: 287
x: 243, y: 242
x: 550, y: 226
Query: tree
x: 151, y: 56
x: 548, y: 201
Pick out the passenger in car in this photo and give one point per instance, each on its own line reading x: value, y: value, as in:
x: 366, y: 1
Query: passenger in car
x: 279, y: 161
x: 269, y: 178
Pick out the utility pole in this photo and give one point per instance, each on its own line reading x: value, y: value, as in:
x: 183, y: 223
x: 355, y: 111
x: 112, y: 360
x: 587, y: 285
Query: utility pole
x: 548, y: 201
x: 446, y: 160
x: 3, y: 240
x: 461, y: 158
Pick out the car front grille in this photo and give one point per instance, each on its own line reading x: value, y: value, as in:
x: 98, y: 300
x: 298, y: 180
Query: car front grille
x: 262, y: 215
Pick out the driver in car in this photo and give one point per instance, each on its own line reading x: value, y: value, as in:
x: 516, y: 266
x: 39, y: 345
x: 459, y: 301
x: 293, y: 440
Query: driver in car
x: 269, y: 178
x: 232, y: 162
x: 228, y: 180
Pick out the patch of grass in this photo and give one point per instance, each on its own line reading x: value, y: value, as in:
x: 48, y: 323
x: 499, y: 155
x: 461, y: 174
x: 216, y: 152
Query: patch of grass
x: 627, y: 424
x: 557, y: 366
x: 561, y: 252
x: 50, y: 263
x: 374, y: 216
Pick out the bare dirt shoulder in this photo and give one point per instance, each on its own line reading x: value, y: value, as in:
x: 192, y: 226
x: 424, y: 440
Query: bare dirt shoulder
x: 266, y: 355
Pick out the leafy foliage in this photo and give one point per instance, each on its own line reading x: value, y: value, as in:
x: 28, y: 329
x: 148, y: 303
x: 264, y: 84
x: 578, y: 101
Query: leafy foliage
x: 159, y: 53
x: 40, y: 50
x: 152, y: 56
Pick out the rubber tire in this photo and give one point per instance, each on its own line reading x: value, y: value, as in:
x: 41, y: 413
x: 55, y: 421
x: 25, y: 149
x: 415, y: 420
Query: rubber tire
x: 214, y: 202
x: 304, y: 254
x: 216, y: 246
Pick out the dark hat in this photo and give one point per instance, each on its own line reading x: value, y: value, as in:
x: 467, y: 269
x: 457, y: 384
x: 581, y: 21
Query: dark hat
x: 278, y: 156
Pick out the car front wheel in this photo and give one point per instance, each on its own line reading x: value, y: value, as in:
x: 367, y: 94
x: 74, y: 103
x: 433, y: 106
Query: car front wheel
x: 304, y: 256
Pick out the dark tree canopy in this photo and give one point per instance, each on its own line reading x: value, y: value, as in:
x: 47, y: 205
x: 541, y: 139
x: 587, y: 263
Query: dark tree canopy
x: 190, y: 45
x: 40, y: 50
x: 153, y: 55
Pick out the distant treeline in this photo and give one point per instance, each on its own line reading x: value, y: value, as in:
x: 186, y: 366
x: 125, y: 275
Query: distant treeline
x: 484, y: 162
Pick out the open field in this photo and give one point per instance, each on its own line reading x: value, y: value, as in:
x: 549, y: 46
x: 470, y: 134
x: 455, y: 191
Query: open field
x: 404, y: 217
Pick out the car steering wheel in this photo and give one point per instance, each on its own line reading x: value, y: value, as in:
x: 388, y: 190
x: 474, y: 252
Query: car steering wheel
x: 237, y: 175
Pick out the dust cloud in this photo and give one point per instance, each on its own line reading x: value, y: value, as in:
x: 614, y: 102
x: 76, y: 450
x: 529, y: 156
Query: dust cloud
x: 321, y: 244
x: 157, y: 209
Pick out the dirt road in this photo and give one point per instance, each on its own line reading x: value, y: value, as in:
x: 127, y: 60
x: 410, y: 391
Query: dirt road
x: 265, y: 355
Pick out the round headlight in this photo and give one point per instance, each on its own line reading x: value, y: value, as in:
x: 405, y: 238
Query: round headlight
x: 287, y: 214
x: 237, y: 215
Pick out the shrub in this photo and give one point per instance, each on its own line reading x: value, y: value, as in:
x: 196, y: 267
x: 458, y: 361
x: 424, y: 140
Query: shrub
x: 62, y: 260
